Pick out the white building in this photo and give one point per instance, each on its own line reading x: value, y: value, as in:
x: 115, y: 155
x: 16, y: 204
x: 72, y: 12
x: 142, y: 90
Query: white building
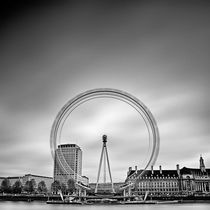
x: 68, y: 163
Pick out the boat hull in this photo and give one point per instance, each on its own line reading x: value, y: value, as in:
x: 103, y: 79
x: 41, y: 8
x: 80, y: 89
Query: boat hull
x: 62, y: 202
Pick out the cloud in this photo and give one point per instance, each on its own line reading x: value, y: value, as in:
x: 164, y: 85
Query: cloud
x: 155, y: 51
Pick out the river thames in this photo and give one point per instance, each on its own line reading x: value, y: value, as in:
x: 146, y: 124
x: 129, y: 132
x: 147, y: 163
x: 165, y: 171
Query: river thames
x: 9, y: 205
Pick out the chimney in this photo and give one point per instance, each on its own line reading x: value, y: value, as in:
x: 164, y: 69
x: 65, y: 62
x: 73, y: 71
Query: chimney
x: 152, y: 170
x: 129, y: 171
x: 160, y: 169
x: 136, y: 169
x: 178, y: 170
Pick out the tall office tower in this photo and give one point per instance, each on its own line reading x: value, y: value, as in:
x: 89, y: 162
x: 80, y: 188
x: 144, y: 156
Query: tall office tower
x: 67, y: 157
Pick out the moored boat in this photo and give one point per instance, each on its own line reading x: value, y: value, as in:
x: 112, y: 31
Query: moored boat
x: 63, y: 202
x: 168, y: 202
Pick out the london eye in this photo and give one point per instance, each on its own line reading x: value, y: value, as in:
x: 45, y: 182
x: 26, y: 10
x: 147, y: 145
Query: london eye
x: 66, y: 111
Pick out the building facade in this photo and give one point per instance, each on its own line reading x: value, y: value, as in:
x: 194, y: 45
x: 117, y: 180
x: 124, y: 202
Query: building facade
x: 68, y: 163
x: 13, y: 179
x: 28, y: 177
x: 195, y: 180
x: 170, y: 182
x: 155, y: 182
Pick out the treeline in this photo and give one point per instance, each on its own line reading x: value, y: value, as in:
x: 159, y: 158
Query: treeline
x: 32, y: 187
x: 69, y: 189
x: 17, y: 188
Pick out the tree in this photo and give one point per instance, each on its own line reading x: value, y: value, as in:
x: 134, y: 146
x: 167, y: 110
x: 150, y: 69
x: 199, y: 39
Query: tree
x: 30, y: 186
x: 71, y: 186
x: 42, y: 187
x: 63, y: 188
x: 6, y: 186
x: 55, y: 186
x: 26, y: 186
x: 17, y: 187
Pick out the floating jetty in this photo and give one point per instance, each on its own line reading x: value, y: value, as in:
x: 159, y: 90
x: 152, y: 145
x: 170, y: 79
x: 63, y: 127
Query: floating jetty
x: 112, y: 202
x: 151, y: 202
x: 63, y: 202
x: 108, y: 199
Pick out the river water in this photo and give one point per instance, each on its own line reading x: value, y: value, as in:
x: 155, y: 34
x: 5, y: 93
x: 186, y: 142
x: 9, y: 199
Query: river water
x: 11, y: 205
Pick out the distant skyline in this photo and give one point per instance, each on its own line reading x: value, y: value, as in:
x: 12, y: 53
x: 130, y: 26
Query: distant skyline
x: 52, y: 51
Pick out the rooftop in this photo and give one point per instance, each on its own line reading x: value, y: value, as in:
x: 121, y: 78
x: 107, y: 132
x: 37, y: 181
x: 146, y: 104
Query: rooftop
x: 155, y: 173
x: 68, y: 145
x: 38, y: 176
x: 166, y: 173
x: 186, y: 170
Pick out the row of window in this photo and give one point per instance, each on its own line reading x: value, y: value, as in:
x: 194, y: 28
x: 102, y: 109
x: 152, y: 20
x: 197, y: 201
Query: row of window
x: 158, y: 190
x: 156, y: 177
x: 159, y: 184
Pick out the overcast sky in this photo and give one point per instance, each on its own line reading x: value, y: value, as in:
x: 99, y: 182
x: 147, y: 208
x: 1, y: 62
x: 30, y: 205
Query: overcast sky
x: 158, y: 52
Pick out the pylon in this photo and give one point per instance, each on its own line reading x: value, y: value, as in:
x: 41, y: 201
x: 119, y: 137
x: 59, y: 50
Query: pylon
x: 105, y: 157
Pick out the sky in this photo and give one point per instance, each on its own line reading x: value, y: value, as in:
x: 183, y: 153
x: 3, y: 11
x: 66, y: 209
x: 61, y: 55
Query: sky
x: 53, y: 50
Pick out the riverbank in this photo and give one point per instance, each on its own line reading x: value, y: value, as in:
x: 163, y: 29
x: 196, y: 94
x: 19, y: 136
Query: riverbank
x: 44, y: 198
x: 28, y: 197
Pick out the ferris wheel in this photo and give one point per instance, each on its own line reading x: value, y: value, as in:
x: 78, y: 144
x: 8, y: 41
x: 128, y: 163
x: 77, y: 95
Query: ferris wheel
x: 135, y: 103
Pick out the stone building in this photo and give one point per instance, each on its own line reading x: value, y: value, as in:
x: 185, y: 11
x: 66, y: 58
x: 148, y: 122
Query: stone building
x: 195, y: 180
x: 48, y: 180
x: 28, y: 177
x: 13, y: 179
x: 155, y: 181
x: 170, y: 182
